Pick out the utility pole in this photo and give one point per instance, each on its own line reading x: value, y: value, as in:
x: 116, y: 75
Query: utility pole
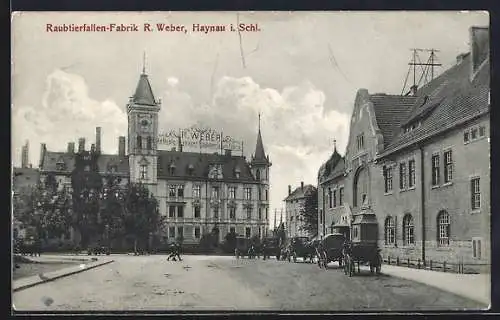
x: 426, y: 68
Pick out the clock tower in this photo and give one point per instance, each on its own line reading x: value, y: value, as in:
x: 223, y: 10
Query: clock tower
x: 142, y: 110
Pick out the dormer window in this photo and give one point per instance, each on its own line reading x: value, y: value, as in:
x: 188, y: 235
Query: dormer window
x: 60, y: 165
x: 237, y: 172
x: 190, y: 169
x: 171, y: 169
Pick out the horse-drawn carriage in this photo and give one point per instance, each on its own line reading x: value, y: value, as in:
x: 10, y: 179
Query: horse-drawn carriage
x: 362, y: 248
x: 300, y: 247
x: 245, y: 247
x: 331, y: 246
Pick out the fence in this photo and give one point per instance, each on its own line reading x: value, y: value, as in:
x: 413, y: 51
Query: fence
x: 433, y: 265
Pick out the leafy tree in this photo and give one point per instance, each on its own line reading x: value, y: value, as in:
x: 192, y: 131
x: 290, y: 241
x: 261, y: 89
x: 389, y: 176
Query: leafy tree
x: 308, y: 213
x: 141, y: 217
x: 87, y: 193
x: 230, y: 239
x: 44, y: 210
x: 280, y: 233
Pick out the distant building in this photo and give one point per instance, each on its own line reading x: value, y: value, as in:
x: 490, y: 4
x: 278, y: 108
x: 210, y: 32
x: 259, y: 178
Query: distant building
x: 421, y: 164
x: 197, y: 192
x: 295, y: 203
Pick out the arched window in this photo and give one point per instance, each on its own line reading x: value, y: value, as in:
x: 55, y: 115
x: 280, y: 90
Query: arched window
x: 408, y: 230
x: 257, y: 174
x: 150, y: 143
x: 443, y: 222
x: 390, y: 231
x: 139, y: 142
x: 360, y: 187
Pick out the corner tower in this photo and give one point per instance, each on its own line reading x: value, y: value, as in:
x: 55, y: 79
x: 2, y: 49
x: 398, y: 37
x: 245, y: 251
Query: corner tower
x: 260, y: 165
x: 142, y: 111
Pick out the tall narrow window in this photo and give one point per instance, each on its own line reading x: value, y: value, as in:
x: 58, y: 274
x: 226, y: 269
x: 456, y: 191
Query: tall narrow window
x: 249, y: 213
x: 196, y: 191
x: 259, y: 194
x: 215, y: 192
x: 329, y: 197
x: 171, y: 232
x: 411, y: 173
x: 248, y: 193
x: 387, y: 179
x: 260, y: 213
x: 402, y: 176
x: 448, y: 166
x: 180, y: 232
x: 150, y: 143
x: 216, y: 212
x: 180, y: 212
x: 171, y: 211
x: 197, y: 232
x: 139, y: 142
x: 466, y: 136
x: 334, y: 198
x: 390, y: 231
x: 408, y: 230
x: 144, y: 172
x: 257, y: 174
x: 341, y: 196
x: 473, y: 134
x: 247, y: 232
x: 171, y: 191
x: 443, y: 220
x: 180, y: 191
x: 435, y: 170
x: 482, y: 131
x: 232, y: 213
x: 475, y: 193
x: 232, y: 192
x: 197, y: 211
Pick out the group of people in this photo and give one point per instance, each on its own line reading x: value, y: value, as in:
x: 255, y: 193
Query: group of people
x: 175, y: 252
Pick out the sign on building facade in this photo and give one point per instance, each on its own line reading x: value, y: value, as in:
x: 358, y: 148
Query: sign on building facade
x: 197, y: 139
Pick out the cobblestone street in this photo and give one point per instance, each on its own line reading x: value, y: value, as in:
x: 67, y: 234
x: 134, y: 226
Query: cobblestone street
x: 224, y: 283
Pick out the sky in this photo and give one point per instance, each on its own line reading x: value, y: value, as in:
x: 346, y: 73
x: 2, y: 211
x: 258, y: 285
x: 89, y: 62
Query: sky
x: 300, y: 70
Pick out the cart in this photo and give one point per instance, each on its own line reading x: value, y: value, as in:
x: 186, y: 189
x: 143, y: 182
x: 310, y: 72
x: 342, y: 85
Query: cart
x: 332, y: 245
x: 362, y: 248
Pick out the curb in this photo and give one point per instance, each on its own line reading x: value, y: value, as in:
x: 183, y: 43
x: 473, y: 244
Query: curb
x: 62, y: 275
x: 437, y: 286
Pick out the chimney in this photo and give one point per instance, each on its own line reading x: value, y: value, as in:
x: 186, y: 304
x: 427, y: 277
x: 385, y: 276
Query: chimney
x: 121, y: 146
x: 98, y: 139
x: 289, y: 189
x: 479, y: 46
x: 228, y: 152
x: 81, y: 145
x: 25, y: 155
x: 302, y: 185
x: 43, y: 149
x: 71, y: 147
x: 413, y: 90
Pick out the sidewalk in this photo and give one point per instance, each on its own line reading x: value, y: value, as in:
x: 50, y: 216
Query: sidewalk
x: 29, y: 282
x: 48, y: 258
x: 473, y: 286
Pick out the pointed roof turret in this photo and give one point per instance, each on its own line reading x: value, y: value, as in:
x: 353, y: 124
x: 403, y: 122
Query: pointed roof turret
x: 143, y: 93
x: 260, y: 155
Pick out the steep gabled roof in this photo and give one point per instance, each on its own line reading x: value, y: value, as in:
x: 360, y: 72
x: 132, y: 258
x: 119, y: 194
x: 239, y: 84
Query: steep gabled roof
x: 197, y: 165
x: 104, y: 162
x: 447, y: 101
x: 390, y: 112
x: 300, y: 192
x: 143, y: 93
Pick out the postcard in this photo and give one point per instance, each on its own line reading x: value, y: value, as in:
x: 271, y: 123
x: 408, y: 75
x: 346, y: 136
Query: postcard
x: 251, y: 161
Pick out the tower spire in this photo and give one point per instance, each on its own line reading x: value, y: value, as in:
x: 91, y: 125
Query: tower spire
x: 259, y: 121
x: 334, y: 145
x: 144, y: 62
